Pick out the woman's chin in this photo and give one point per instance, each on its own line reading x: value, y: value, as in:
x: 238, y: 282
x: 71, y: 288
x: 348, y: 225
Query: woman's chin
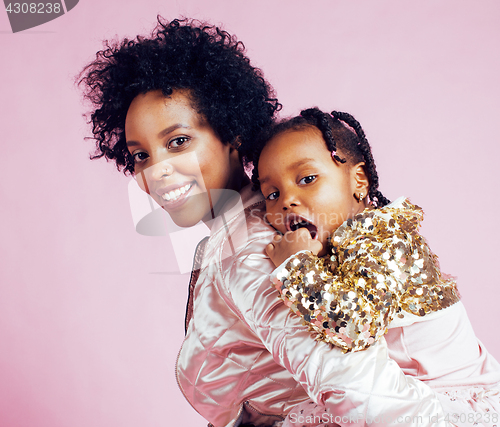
x: 183, y: 219
x: 189, y: 215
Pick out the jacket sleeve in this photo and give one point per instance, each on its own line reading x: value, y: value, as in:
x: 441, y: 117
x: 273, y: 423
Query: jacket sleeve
x: 362, y: 388
x: 379, y: 264
x: 348, y: 309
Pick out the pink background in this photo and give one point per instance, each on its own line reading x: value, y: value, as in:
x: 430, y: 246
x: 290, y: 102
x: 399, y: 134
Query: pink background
x: 91, y: 313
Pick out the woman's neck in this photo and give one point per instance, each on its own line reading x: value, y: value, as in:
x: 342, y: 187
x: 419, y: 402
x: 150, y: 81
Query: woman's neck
x: 238, y: 180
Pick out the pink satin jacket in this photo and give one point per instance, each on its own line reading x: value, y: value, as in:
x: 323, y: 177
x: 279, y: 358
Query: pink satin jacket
x: 247, y: 358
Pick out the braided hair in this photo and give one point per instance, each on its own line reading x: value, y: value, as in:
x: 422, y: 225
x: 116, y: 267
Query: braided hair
x: 341, y: 132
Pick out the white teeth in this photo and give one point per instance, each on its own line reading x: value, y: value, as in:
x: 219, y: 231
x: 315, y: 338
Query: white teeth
x: 175, y: 194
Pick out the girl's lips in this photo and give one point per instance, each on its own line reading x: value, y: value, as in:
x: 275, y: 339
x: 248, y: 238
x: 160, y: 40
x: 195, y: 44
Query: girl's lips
x: 294, y: 222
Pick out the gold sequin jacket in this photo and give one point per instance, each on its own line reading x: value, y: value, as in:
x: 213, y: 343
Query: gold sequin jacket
x: 247, y: 358
x: 379, y: 267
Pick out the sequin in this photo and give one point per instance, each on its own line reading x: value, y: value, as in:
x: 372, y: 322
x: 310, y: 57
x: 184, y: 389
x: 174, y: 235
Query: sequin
x: 378, y: 265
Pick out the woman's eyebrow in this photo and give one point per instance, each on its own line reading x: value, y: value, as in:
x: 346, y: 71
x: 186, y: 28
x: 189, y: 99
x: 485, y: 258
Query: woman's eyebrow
x: 166, y: 131
x: 161, y: 134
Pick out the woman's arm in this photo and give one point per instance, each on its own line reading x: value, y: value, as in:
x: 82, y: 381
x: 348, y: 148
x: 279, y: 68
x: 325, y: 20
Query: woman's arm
x: 366, y: 388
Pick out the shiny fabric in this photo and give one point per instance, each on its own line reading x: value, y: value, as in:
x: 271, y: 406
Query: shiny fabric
x: 378, y: 266
x: 248, y: 358
x: 428, y: 332
x: 442, y: 351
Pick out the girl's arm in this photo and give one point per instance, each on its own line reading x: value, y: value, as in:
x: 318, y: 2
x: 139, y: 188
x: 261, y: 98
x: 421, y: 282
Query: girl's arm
x: 350, y: 308
x: 379, y: 265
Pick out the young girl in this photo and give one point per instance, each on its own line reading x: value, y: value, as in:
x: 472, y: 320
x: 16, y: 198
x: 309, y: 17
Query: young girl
x: 354, y: 267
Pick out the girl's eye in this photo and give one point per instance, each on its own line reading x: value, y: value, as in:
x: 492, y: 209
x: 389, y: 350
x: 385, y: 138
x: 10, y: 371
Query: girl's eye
x: 273, y: 196
x: 139, y: 157
x: 307, y: 179
x: 177, y: 142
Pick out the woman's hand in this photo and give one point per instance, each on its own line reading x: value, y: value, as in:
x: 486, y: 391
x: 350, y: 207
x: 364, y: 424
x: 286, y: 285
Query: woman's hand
x: 284, y: 246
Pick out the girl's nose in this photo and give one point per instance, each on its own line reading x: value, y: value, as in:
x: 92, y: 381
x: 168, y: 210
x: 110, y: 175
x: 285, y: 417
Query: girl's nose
x: 289, y: 201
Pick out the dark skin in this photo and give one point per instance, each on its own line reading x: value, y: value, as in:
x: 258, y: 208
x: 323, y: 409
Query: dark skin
x: 301, y: 181
x: 178, y: 158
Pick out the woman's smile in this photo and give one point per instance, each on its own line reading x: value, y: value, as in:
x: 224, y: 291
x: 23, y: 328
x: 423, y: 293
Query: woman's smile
x: 178, y: 157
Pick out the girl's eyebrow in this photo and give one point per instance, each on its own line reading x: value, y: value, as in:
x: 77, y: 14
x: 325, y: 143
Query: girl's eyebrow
x: 294, y: 165
x: 161, y: 134
x: 300, y: 162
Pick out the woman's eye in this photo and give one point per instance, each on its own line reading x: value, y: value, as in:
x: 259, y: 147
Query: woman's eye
x: 139, y: 157
x: 307, y: 179
x: 273, y: 196
x: 177, y: 142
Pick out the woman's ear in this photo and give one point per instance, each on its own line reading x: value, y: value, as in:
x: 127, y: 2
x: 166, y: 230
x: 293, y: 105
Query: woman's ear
x: 236, y: 144
x: 234, y: 153
x: 360, y: 179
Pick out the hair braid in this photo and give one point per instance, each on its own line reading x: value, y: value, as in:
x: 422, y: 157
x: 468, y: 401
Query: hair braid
x: 323, y: 124
x: 340, y: 131
x: 375, y: 195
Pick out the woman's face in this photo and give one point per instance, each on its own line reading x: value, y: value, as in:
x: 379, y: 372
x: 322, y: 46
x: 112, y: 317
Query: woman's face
x: 178, y: 157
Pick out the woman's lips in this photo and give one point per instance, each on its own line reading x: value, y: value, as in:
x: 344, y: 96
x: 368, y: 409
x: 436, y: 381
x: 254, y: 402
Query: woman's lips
x: 174, y: 195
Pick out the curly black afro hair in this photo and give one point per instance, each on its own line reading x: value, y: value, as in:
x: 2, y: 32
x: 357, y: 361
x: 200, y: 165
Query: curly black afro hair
x: 226, y: 90
x: 341, y: 132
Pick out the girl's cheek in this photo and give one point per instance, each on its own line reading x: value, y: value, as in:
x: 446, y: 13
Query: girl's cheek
x: 277, y: 220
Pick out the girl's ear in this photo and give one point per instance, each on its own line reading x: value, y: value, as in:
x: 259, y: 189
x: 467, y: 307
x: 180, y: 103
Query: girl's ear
x: 359, y: 179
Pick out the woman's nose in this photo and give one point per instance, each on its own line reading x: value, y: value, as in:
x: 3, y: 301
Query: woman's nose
x: 160, y: 170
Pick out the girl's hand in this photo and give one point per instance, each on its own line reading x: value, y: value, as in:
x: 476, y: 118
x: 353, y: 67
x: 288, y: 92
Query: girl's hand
x: 284, y: 246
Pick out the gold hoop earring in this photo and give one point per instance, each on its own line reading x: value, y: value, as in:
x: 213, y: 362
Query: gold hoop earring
x: 359, y: 198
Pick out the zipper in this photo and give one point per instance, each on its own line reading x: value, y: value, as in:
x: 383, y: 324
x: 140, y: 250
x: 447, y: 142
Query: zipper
x: 195, y: 274
x: 198, y: 253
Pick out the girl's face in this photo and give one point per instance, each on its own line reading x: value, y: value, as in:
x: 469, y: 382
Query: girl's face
x: 305, y: 187
x: 178, y: 157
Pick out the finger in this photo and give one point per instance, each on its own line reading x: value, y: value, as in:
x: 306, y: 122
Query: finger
x: 303, y: 234
x: 269, y: 249
x: 316, y: 246
x: 277, y: 238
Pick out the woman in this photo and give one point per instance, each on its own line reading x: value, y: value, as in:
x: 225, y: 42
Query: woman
x: 178, y: 110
